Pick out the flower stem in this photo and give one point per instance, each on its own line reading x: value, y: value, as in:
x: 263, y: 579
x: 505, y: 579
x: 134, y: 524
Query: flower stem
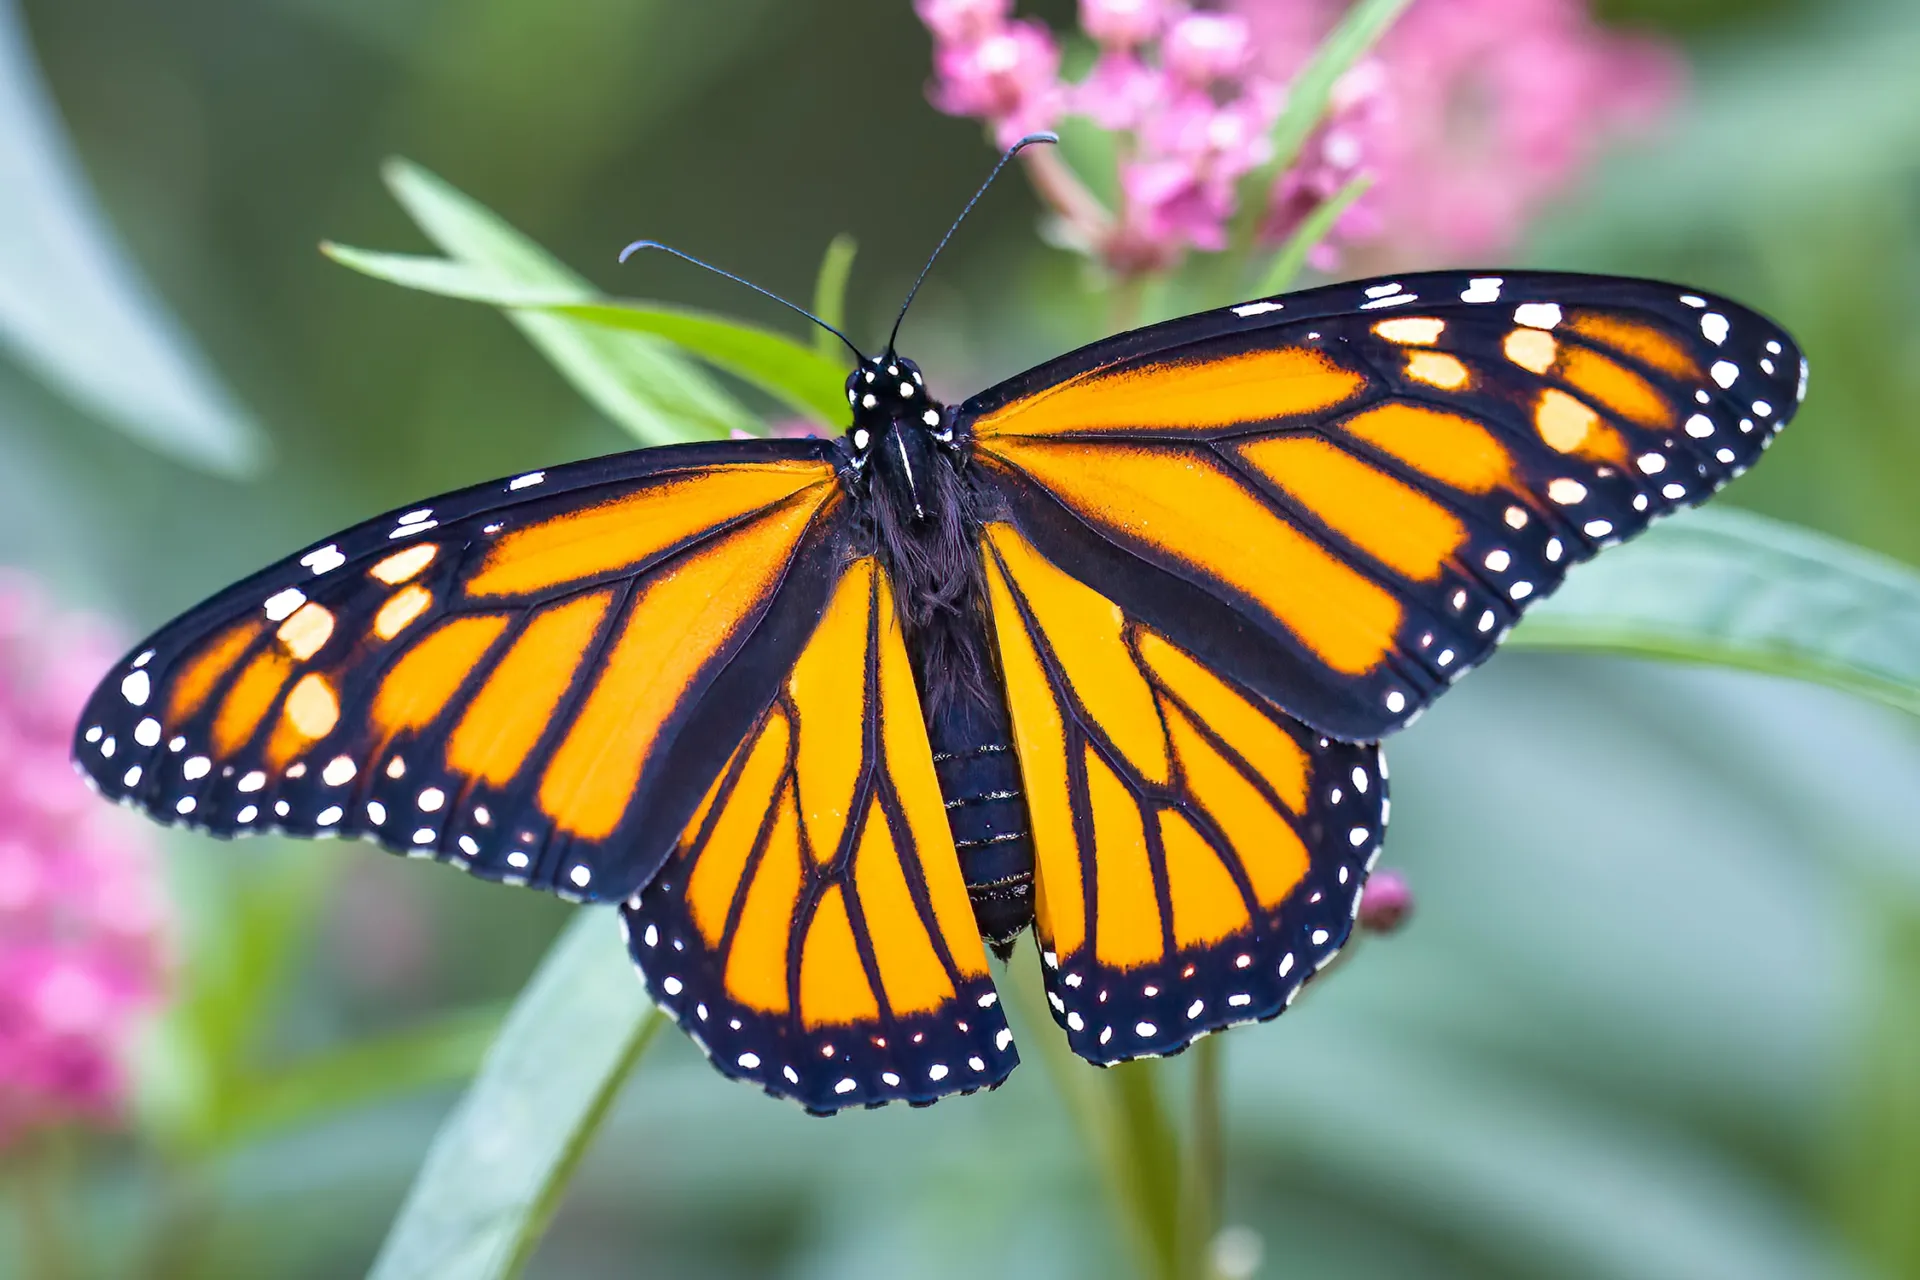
x: 1202, y: 1161
x: 43, y: 1240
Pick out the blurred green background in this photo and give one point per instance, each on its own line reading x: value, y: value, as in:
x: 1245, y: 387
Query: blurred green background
x: 1658, y: 1014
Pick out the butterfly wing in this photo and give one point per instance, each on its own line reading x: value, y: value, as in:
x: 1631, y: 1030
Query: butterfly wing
x: 1199, y: 853
x: 812, y: 931
x: 1345, y: 498
x: 535, y: 679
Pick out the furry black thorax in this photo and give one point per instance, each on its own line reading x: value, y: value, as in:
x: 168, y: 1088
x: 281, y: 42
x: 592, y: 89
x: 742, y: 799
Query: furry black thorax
x: 909, y: 477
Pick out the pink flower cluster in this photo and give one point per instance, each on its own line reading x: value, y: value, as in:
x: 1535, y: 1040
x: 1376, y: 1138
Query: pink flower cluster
x: 82, y: 914
x: 1469, y: 116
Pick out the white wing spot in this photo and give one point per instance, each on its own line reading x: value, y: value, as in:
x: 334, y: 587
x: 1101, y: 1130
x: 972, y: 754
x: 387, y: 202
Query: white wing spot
x: 749, y: 1060
x: 195, y: 768
x: 1482, y: 289
x: 1319, y: 937
x: 185, y: 806
x: 330, y: 815
x: 431, y: 799
x: 132, y: 777
x: 1357, y: 837
x: 1724, y: 372
x: 1714, y: 325
x: 1249, y: 310
x: 1566, y: 491
x: 527, y: 480
x: 1498, y: 561
x: 1537, y: 315
x: 1144, y: 1029
x: 1597, y: 528
x: 253, y: 780
x: 146, y: 733
x: 136, y: 687
x: 281, y: 604
x: 1699, y: 426
x: 671, y: 985
x: 847, y: 1085
x: 1396, y: 701
x: 323, y: 560
x: 580, y: 875
x: 339, y: 771
x: 938, y: 1071
x: 376, y: 813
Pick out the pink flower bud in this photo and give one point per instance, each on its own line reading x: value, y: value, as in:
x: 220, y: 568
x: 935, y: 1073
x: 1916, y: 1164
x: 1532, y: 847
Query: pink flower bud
x: 1122, y: 24
x: 1009, y: 79
x: 1204, y: 47
x: 1386, y: 902
x: 962, y: 21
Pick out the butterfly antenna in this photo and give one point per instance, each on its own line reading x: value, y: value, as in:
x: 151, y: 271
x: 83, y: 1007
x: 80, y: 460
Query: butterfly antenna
x: 638, y: 245
x: 1011, y: 152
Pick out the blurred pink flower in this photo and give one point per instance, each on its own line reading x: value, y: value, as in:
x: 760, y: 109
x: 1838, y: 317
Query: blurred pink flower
x: 1201, y: 48
x: 1470, y: 116
x: 1008, y: 76
x: 1122, y: 24
x: 1386, y: 902
x: 82, y: 914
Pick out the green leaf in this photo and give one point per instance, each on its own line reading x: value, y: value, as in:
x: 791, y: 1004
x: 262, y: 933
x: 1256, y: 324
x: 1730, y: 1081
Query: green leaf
x: 1292, y: 256
x: 637, y: 380
x: 792, y: 372
x: 74, y: 307
x: 830, y: 293
x: 1739, y: 590
x: 502, y: 1159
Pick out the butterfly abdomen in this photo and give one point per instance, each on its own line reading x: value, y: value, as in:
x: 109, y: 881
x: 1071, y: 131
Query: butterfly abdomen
x: 980, y: 783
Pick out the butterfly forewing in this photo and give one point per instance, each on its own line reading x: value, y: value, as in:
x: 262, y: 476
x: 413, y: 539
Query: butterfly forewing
x: 1346, y: 497
x: 530, y: 678
x: 812, y: 932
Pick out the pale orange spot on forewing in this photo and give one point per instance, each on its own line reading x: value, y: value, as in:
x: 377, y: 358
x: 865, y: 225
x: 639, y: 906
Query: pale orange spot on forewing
x: 309, y: 713
x: 1270, y: 851
x: 1645, y: 343
x: 248, y: 701
x: 828, y: 685
x: 1129, y: 909
x: 418, y: 686
x: 306, y: 632
x: 679, y: 623
x: 1206, y: 903
x: 626, y: 531
x: 1456, y: 451
x: 834, y: 990
x: 1269, y: 750
x: 401, y: 609
x: 721, y: 860
x: 1039, y: 736
x: 202, y: 672
x: 1532, y: 349
x: 756, y: 972
x: 401, y: 565
x: 1437, y: 369
x: 1182, y: 396
x: 1393, y: 522
x: 1179, y: 503
x: 1616, y: 387
x: 909, y: 760
x: 513, y: 708
x: 1084, y: 629
x: 910, y: 970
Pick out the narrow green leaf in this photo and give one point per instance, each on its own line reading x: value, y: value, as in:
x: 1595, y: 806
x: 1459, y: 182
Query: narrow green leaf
x: 792, y: 372
x: 501, y: 1161
x: 1307, y: 98
x: 830, y: 292
x: 637, y: 380
x: 1739, y: 590
x: 1292, y: 256
x: 74, y: 307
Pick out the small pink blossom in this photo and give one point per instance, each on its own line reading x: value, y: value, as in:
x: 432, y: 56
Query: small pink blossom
x: 82, y: 915
x: 1119, y: 90
x: 963, y: 21
x: 1201, y: 48
x: 1122, y: 24
x: 1386, y: 902
x: 1009, y: 77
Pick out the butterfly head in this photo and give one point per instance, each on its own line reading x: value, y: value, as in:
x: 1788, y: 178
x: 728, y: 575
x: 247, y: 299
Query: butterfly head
x: 887, y: 393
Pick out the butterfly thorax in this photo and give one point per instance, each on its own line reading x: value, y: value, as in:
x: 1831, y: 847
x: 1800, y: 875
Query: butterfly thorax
x: 908, y: 476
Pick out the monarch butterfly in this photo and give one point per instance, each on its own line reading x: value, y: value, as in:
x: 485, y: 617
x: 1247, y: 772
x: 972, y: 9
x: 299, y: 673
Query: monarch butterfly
x: 1105, y: 650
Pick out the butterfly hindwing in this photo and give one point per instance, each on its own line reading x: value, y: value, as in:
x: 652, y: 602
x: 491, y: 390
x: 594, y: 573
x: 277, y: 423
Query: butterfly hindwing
x: 533, y: 679
x: 1345, y: 497
x: 1199, y: 853
x: 812, y: 931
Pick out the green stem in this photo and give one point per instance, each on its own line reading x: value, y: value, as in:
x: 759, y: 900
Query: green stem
x: 1203, y: 1160
x: 1292, y: 256
x: 42, y: 1237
